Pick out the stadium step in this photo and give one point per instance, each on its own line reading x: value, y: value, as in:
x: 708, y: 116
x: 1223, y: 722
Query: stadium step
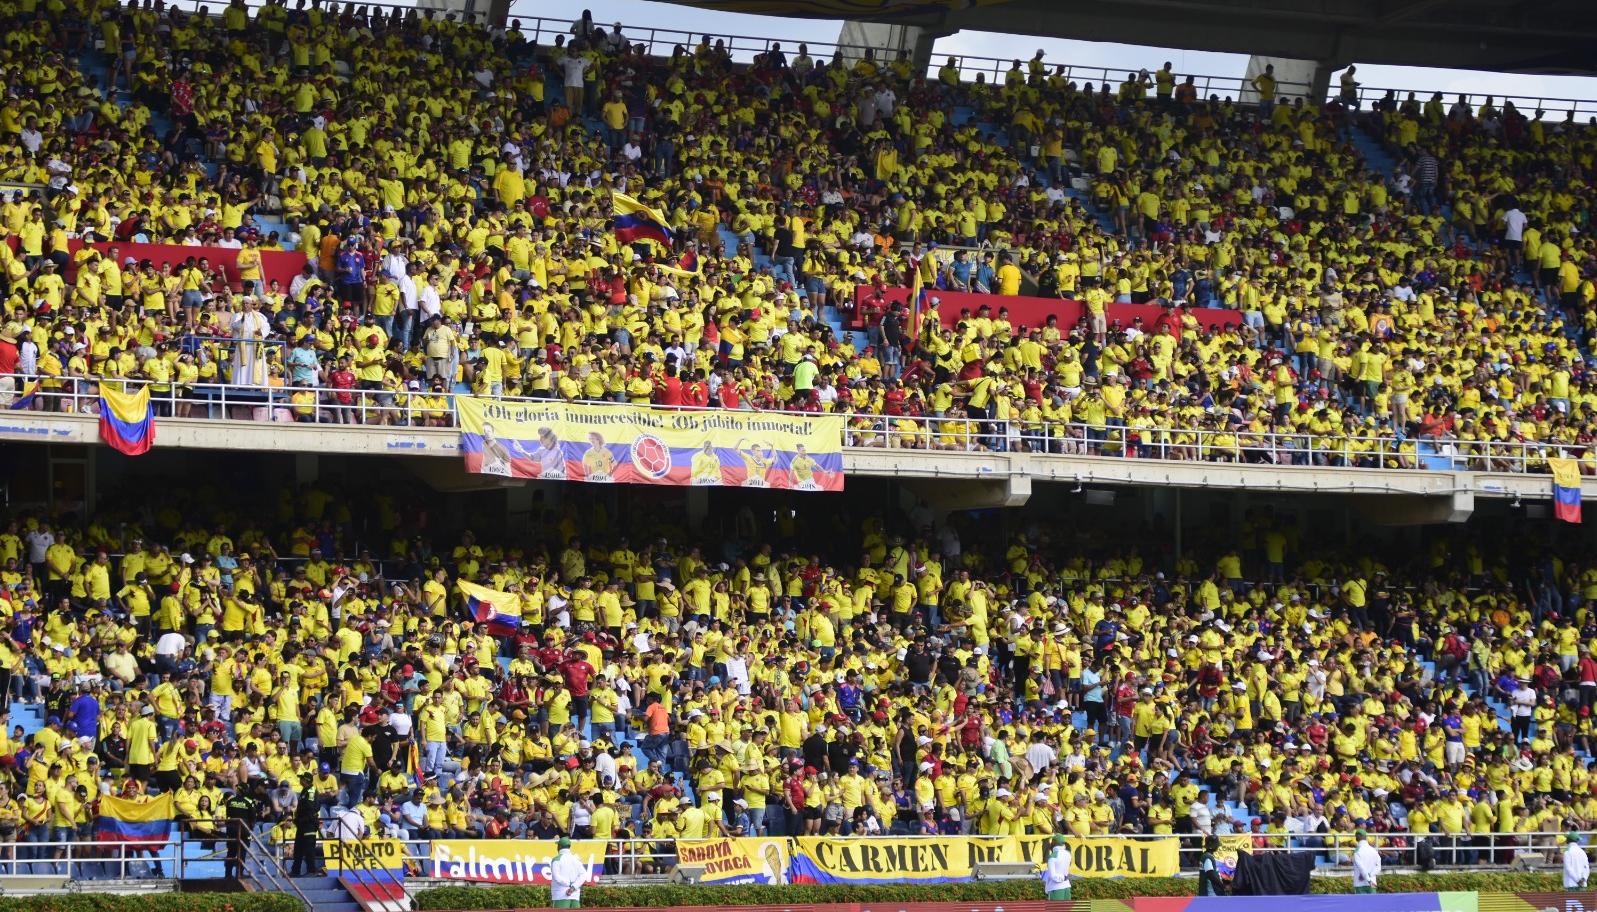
x: 270, y: 223
x: 96, y: 67
x: 28, y: 715
x: 1497, y: 706
x: 993, y: 134
x: 1431, y: 457
x: 729, y: 241
x: 1085, y: 198
x: 326, y: 894
x: 1375, y: 157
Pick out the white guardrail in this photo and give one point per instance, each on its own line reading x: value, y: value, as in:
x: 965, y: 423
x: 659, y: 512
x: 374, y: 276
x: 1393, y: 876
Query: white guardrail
x: 176, y: 859
x: 950, y: 433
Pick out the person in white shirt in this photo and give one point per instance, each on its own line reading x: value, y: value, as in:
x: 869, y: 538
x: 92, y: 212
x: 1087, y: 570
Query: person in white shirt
x: 1577, y: 867
x: 575, y: 70
x: 1039, y: 754
x: 300, y: 281
x: 825, y: 393
x: 27, y: 353
x: 427, y: 299
x: 737, y: 673
x: 567, y: 874
x: 409, y: 303
x: 60, y: 173
x: 604, y: 764
x: 401, y: 721
x: 886, y: 102
x: 1366, y: 864
x: 1056, y: 871
x: 1201, y: 814
x: 347, y: 825
x: 1514, y: 222
x: 171, y: 644
x: 39, y: 541
x: 1522, y: 711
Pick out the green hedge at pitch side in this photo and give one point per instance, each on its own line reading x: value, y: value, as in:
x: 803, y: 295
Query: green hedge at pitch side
x: 157, y: 902
x: 668, y: 895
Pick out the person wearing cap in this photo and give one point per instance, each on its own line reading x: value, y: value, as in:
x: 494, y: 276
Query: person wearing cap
x: 1056, y: 870
x: 567, y: 873
x: 1577, y: 867
x: 1366, y: 864
x: 307, y: 822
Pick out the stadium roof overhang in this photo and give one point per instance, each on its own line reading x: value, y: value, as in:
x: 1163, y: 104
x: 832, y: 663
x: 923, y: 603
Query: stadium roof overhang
x: 1551, y: 36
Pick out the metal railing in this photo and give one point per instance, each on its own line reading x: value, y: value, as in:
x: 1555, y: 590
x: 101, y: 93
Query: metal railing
x: 643, y: 859
x: 354, y: 408
x: 79, y: 860
x: 476, y: 10
x: 662, y: 42
x: 742, y: 49
x: 264, y: 862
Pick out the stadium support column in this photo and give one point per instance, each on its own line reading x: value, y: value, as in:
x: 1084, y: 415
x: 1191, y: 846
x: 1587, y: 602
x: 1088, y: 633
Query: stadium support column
x: 698, y: 507
x: 887, y: 41
x: 1293, y: 79
x: 307, y: 466
x: 494, y: 12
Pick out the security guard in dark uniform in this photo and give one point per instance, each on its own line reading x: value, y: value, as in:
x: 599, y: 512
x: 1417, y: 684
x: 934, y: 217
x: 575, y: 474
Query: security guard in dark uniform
x: 243, y: 808
x: 307, y: 822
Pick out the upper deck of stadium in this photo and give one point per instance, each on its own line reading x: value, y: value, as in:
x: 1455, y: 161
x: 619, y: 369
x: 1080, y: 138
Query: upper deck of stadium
x: 1261, y: 447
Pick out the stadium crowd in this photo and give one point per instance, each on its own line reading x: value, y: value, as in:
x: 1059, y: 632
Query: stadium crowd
x: 451, y: 185
x: 904, y: 678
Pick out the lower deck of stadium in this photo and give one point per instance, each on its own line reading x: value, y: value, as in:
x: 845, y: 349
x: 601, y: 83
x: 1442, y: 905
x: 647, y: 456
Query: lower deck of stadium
x: 1279, y: 660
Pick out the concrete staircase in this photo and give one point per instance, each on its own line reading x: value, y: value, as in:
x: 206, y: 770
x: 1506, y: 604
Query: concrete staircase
x: 326, y: 894
x: 1376, y: 158
x: 28, y: 715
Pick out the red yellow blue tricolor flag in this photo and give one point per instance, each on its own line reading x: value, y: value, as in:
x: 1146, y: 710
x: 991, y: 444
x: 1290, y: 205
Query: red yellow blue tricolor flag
x: 127, y: 420
x: 501, y: 611
x: 1566, y: 489
x: 636, y: 221
x: 134, y: 819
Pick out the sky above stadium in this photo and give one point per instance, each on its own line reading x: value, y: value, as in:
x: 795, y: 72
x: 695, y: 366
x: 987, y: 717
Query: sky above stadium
x: 640, y: 15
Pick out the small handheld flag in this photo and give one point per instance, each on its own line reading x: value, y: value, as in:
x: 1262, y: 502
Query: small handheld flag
x: 635, y: 221
x: 501, y: 611
x: 28, y: 395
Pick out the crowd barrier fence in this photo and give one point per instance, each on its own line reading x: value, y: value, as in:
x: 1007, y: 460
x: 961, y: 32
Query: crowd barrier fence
x: 354, y: 408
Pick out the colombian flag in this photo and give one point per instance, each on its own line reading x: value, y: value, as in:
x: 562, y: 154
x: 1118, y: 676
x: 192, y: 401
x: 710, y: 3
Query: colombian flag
x: 134, y: 819
x: 1566, y: 489
x: 127, y: 420
x: 27, y: 396
x: 413, y: 764
x: 916, y: 293
x: 501, y: 611
x: 636, y: 222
